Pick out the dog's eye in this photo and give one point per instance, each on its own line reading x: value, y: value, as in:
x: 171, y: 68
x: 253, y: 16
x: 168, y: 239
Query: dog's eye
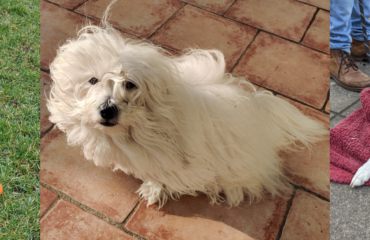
x: 130, y: 85
x: 93, y: 81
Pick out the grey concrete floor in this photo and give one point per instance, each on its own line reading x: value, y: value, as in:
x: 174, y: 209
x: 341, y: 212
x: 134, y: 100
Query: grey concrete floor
x: 349, y: 207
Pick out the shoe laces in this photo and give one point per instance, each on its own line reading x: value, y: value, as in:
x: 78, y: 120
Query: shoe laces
x: 347, y: 61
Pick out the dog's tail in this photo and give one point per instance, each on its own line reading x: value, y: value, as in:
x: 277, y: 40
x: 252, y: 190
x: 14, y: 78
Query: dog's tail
x: 198, y: 67
x: 294, y: 129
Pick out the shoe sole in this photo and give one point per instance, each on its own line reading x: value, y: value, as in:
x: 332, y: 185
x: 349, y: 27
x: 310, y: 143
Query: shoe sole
x: 360, y: 59
x: 345, y: 86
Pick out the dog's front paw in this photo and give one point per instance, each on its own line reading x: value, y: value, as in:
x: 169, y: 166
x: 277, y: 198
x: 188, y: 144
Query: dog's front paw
x: 362, y: 175
x: 152, y: 192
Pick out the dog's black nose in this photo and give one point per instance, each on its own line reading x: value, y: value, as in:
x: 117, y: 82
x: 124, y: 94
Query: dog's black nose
x: 108, y: 112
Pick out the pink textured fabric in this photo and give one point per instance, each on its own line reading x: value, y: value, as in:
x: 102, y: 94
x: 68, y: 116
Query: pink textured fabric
x: 350, y: 143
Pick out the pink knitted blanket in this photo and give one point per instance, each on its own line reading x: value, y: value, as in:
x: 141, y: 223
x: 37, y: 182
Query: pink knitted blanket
x: 350, y: 143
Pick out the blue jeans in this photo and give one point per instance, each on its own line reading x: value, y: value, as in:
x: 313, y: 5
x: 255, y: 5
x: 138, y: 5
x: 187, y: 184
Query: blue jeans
x: 345, y: 23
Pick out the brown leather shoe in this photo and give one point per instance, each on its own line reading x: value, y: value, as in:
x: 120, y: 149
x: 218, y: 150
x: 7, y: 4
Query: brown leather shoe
x: 345, y: 72
x: 358, y: 51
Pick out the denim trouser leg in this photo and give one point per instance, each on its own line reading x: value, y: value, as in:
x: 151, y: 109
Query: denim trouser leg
x: 356, y: 20
x: 340, y: 24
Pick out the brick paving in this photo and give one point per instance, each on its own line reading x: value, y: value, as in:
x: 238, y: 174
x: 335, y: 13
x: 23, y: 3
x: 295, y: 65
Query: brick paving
x: 282, y: 48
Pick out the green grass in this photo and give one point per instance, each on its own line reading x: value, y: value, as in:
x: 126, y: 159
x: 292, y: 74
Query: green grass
x: 19, y: 118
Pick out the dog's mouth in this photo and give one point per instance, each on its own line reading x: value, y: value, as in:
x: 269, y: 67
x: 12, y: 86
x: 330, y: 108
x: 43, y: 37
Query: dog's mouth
x: 108, y: 124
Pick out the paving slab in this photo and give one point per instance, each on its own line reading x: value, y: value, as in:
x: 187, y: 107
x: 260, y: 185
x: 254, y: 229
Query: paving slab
x: 354, y: 106
x: 217, y: 6
x: 69, y: 222
x: 341, y: 98
x: 327, y: 107
x: 140, y: 17
x: 195, y: 28
x: 332, y: 115
x: 45, y: 82
x: 70, y: 4
x: 317, y: 35
x: 319, y: 3
x: 308, y: 218
x: 288, y: 19
x: 47, y: 198
x: 53, y: 33
x: 194, y: 216
x: 349, y: 212
x: 276, y: 64
x: 335, y: 120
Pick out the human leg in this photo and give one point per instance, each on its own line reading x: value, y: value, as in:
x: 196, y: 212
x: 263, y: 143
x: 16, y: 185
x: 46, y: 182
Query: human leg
x: 356, y: 31
x: 358, y: 50
x: 340, y: 24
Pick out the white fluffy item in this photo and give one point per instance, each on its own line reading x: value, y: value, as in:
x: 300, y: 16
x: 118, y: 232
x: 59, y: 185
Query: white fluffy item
x: 184, y: 126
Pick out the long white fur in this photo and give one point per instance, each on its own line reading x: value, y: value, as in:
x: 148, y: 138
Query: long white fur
x: 187, y: 128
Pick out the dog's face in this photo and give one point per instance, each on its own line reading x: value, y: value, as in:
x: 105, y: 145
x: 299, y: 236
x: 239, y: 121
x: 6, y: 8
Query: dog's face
x: 103, y: 83
x: 107, y: 99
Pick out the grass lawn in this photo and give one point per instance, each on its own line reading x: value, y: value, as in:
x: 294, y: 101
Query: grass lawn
x: 19, y: 118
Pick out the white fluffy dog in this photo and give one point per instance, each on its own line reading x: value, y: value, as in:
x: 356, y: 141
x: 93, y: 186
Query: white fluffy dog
x: 178, y: 123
